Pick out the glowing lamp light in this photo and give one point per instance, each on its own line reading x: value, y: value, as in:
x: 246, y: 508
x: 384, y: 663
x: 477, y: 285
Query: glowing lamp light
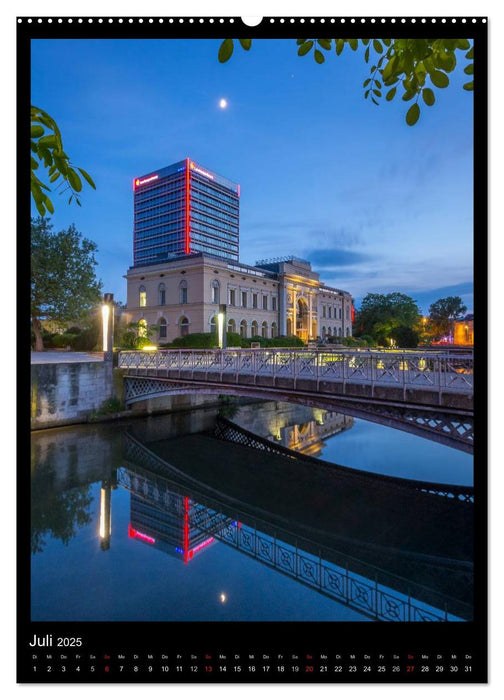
x: 105, y: 319
x: 220, y: 328
x: 223, y: 597
x: 149, y: 348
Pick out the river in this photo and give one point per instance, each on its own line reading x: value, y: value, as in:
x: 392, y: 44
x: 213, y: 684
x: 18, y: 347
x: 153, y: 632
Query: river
x: 112, y: 541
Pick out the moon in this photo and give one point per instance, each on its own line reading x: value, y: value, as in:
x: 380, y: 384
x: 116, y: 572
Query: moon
x: 223, y: 103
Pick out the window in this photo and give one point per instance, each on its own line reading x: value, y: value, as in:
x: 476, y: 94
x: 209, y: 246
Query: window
x: 324, y: 312
x: 347, y: 313
x: 265, y: 304
x: 231, y: 326
x: 330, y: 312
x: 213, y: 325
x: 324, y: 332
x: 274, y: 330
x: 243, y: 329
x: 264, y: 329
x: 339, y: 313
x: 244, y: 299
x: 255, y: 329
x: 215, y: 292
x: 232, y: 297
x: 184, y: 325
x: 161, y: 295
x: 183, y: 292
x: 348, y: 332
x: 162, y: 328
x: 274, y: 303
x: 254, y: 301
x: 142, y: 296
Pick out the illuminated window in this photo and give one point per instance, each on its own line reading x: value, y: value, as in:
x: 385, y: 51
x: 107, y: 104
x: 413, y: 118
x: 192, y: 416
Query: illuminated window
x: 162, y: 328
x: 243, y: 329
x: 215, y: 292
x: 183, y: 292
x: 161, y: 295
x: 184, y: 326
x: 264, y: 329
x: 255, y: 329
x: 142, y: 296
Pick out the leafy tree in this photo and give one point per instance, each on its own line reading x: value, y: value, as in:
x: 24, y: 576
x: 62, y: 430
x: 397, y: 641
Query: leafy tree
x: 443, y: 313
x: 380, y: 314
x: 47, y: 149
x: 135, y: 335
x: 415, y: 67
x: 405, y: 337
x: 63, y: 282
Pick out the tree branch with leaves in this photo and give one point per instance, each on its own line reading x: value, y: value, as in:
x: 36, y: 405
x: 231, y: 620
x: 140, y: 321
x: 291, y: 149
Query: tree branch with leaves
x: 417, y: 67
x: 47, y: 150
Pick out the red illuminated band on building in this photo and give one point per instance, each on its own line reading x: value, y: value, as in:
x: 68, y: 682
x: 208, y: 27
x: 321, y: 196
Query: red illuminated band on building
x: 132, y: 533
x: 353, y: 313
x: 186, y: 530
x: 188, y: 208
x: 201, y: 171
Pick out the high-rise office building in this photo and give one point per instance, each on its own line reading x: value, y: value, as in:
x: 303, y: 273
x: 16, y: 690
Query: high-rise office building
x: 183, y: 209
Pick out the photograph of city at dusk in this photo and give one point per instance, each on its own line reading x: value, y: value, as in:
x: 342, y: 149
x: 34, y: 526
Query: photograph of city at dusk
x: 252, y: 322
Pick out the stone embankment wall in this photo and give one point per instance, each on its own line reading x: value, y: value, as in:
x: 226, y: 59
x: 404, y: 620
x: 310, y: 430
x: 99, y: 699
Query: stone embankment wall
x: 68, y: 392
x: 64, y: 393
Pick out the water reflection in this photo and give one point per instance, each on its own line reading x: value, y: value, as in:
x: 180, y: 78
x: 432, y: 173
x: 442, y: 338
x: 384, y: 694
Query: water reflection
x: 117, y: 515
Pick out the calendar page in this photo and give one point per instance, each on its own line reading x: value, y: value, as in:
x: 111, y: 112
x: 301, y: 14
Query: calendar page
x: 257, y: 407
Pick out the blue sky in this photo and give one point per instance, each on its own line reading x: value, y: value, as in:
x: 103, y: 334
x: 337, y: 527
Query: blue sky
x: 375, y: 205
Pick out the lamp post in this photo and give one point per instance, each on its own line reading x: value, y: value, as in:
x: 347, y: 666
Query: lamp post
x: 221, y: 326
x: 108, y: 326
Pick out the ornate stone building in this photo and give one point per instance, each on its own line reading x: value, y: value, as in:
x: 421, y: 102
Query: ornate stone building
x: 280, y: 297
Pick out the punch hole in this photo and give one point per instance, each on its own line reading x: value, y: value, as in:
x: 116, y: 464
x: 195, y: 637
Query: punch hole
x: 251, y: 21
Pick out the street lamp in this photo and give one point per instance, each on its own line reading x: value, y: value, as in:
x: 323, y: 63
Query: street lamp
x: 221, y: 326
x: 108, y: 326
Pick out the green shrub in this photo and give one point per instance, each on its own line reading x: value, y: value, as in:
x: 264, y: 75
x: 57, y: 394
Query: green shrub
x: 63, y: 340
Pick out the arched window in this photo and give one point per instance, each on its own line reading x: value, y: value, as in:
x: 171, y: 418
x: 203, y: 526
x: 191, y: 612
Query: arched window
x: 274, y: 330
x: 231, y: 326
x: 161, y: 294
x: 142, y: 296
x: 348, y: 332
x: 162, y: 328
x: 183, y: 292
x: 243, y: 329
x: 213, y: 325
x: 215, y: 292
x: 142, y: 328
x: 255, y: 329
x: 264, y: 329
x: 184, y: 325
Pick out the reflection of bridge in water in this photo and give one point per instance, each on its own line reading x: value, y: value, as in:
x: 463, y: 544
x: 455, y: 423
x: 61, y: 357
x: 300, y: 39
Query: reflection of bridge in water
x: 423, y: 393
x: 395, y: 550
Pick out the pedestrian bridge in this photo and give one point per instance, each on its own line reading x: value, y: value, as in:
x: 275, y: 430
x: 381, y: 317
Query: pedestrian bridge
x: 425, y: 393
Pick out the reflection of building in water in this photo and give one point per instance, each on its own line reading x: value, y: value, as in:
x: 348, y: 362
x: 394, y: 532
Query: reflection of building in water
x: 177, y: 526
x: 296, y: 427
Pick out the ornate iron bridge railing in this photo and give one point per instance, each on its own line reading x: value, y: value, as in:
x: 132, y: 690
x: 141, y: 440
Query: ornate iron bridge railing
x: 408, y: 370
x: 296, y: 557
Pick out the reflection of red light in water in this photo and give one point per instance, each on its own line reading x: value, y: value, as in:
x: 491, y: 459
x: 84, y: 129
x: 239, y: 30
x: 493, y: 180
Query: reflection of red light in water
x: 200, y: 546
x: 139, y: 535
x: 186, y: 529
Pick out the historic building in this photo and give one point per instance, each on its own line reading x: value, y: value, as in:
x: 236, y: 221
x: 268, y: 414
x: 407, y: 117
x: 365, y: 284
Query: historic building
x: 463, y: 331
x: 183, y: 296
x: 186, y: 265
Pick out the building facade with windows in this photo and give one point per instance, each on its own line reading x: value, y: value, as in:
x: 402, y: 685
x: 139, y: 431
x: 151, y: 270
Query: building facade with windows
x: 269, y: 299
x: 186, y: 264
x: 182, y: 209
